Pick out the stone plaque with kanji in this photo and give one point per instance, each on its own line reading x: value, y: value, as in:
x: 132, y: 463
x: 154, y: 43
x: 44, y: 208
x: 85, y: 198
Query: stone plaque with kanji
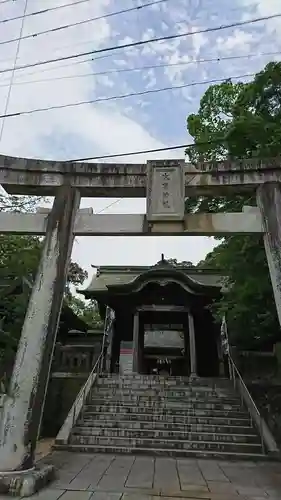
x: 165, y: 191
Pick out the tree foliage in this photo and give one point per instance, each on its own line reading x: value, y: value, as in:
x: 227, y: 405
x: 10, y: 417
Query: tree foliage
x: 183, y: 263
x: 86, y: 311
x: 240, y: 120
x: 19, y: 259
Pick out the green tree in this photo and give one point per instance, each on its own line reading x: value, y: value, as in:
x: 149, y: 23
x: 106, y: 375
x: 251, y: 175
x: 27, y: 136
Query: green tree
x: 183, y: 263
x: 234, y: 121
x: 19, y: 259
x: 86, y: 311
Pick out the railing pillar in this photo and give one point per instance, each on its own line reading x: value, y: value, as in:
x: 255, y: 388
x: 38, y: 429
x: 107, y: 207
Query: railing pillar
x: 192, y: 345
x: 136, y: 342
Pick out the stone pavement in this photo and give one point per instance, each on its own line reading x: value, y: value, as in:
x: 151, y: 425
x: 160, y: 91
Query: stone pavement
x: 127, y: 477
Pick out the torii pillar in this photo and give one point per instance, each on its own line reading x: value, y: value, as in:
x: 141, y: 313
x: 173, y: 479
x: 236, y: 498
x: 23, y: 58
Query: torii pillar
x: 269, y: 202
x: 24, y: 404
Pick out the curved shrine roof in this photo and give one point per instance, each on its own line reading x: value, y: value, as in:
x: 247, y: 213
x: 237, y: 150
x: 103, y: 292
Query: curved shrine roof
x: 123, y: 278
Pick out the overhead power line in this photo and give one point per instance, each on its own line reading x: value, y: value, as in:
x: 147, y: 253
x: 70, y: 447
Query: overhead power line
x: 67, y: 65
x: 6, y: 1
x: 144, y: 42
x: 56, y: 68
x: 133, y: 153
x: 142, y: 68
x: 12, y: 76
x: 108, y: 206
x: 79, y: 23
x: 43, y: 11
x: 139, y: 152
x: 124, y: 96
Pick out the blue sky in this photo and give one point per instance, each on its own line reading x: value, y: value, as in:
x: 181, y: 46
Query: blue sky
x: 134, y: 123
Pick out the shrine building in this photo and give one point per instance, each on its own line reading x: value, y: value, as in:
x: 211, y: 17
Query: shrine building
x: 162, y: 318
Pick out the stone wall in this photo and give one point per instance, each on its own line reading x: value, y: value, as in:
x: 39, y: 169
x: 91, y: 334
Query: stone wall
x: 257, y: 365
x: 71, y: 366
x: 267, y: 396
x: 262, y: 375
x: 60, y: 397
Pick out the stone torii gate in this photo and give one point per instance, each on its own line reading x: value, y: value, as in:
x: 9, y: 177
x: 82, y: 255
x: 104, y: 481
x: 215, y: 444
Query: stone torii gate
x: 165, y: 184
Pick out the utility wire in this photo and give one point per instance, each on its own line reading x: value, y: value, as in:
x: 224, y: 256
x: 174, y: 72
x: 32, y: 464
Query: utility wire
x: 155, y: 150
x: 7, y: 1
x: 58, y: 68
x: 141, y: 68
x: 144, y: 151
x: 67, y: 65
x: 133, y: 153
x: 79, y: 23
x: 13, y: 71
x: 144, y: 42
x: 43, y: 11
x: 108, y: 206
x: 76, y: 44
x: 124, y: 96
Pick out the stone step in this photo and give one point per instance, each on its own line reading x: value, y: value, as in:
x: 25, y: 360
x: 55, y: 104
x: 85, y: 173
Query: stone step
x: 167, y: 419
x: 177, y: 453
x: 169, y: 426
x: 160, y: 391
x: 142, y: 410
x: 152, y: 381
x: 155, y: 443
x: 113, y: 432
x: 163, y: 401
x: 156, y: 387
x: 130, y: 406
x: 160, y: 387
x: 161, y: 378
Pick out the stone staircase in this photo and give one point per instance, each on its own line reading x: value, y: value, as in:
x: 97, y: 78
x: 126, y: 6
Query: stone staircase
x: 165, y: 416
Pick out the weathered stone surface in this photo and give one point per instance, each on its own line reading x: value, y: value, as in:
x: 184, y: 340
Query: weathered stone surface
x: 142, y: 473
x: 162, y: 416
x: 166, y: 475
x: 106, y: 495
x: 77, y: 495
x: 189, y: 474
x: 28, y: 176
x: 23, y: 409
x: 253, y: 480
x: 136, y: 224
x: 269, y: 202
x: 93, y: 472
x: 116, y: 476
x: 27, y: 483
x: 165, y: 191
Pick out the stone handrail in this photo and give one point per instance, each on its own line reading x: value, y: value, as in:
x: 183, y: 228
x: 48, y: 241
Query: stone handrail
x: 75, y: 411
x: 267, y: 440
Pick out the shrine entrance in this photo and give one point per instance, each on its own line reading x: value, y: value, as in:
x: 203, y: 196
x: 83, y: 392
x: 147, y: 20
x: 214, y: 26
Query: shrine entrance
x: 161, y: 316
x: 167, y: 348
x: 165, y: 183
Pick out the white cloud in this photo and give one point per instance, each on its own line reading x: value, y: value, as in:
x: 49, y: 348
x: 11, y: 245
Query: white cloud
x: 137, y: 123
x: 85, y: 123
x: 265, y: 8
x: 239, y: 42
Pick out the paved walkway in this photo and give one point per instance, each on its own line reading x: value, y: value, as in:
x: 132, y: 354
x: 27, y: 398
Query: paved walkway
x: 126, y: 477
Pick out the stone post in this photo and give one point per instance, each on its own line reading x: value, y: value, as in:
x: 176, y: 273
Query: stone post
x: 192, y: 346
x: 269, y: 202
x: 23, y: 410
x: 136, y: 343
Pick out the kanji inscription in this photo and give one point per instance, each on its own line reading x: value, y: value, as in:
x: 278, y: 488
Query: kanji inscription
x: 165, y: 193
